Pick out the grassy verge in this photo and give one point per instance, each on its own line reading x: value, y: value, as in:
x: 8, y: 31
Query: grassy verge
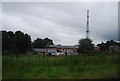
x: 65, y: 67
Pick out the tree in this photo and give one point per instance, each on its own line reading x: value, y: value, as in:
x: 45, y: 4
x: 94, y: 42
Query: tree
x: 85, y: 44
x: 28, y: 42
x: 18, y: 42
x: 105, y: 46
x: 6, y: 42
x: 23, y: 42
x: 47, y: 41
x: 102, y: 46
x: 42, y: 43
x: 11, y: 36
x: 38, y: 43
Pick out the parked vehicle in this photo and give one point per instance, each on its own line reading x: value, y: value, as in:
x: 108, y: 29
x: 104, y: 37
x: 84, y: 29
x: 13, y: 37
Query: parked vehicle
x: 61, y: 54
x: 57, y: 54
x: 54, y: 54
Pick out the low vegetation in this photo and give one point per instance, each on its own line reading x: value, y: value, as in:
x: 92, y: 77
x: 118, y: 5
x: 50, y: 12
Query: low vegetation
x: 60, y: 67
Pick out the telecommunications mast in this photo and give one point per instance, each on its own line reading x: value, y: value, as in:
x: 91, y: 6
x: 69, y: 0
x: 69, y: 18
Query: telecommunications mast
x: 87, y: 29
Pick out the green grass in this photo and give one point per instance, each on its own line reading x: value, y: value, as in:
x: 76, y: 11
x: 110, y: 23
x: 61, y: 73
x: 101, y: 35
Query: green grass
x: 0, y: 67
x: 65, y: 67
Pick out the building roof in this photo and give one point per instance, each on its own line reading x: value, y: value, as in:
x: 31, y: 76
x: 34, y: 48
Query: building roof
x: 114, y: 46
x: 62, y: 46
x: 39, y: 50
x: 54, y: 46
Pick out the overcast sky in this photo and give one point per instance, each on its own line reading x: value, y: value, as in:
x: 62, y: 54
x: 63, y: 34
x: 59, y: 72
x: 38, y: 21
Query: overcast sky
x: 63, y: 22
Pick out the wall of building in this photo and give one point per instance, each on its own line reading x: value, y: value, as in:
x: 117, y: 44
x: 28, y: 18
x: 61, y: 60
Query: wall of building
x: 51, y: 50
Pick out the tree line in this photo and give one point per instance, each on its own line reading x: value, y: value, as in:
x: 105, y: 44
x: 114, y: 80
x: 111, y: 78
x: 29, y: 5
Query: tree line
x: 17, y: 42
x: 20, y: 42
x: 105, y: 46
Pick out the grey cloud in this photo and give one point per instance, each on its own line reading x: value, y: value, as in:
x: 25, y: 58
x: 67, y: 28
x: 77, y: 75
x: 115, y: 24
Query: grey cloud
x: 65, y: 23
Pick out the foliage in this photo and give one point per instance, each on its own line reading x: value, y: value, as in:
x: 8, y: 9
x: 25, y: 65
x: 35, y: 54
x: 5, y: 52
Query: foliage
x: 85, y: 44
x: 16, y: 42
x: 67, y: 67
x: 42, y: 43
x: 20, y: 42
x: 105, y: 46
x: 5, y: 41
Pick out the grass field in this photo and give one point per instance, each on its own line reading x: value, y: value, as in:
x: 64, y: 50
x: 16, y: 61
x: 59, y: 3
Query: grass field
x: 64, y: 67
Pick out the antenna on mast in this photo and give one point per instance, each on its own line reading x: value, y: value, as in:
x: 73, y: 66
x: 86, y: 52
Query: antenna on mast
x: 87, y: 30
